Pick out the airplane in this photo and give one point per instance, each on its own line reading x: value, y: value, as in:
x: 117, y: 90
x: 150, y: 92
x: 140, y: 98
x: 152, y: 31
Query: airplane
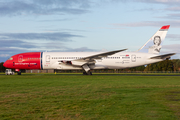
x: 87, y: 61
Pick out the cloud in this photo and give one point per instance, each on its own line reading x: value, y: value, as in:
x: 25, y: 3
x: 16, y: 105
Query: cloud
x: 54, y: 36
x: 64, y: 3
x: 54, y: 20
x: 174, y: 8
x: 70, y: 30
x: 150, y: 1
x: 16, y: 43
x: 67, y: 49
x: 43, y: 7
x: 13, y: 43
x: 17, y: 8
x: 174, y: 16
x: 169, y: 5
x: 8, y: 50
x: 159, y: 1
x: 20, y: 42
x: 172, y: 47
x: 4, y: 55
x: 81, y: 49
x: 173, y: 23
x: 63, y: 7
x: 173, y: 37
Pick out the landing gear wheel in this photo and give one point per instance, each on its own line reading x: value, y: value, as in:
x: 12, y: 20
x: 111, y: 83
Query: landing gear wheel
x: 84, y: 73
x: 19, y: 73
x: 89, y: 73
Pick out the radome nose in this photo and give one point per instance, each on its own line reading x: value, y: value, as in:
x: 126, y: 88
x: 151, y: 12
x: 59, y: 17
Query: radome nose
x: 5, y: 64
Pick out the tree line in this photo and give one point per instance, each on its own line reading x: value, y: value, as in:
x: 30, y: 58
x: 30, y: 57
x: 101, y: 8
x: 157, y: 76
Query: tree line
x: 2, y: 68
x: 166, y: 65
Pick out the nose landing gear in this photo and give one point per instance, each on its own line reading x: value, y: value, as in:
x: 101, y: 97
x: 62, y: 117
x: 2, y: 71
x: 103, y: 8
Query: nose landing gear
x: 19, y: 73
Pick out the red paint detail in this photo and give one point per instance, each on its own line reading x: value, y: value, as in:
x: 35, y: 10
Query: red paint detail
x: 165, y: 27
x: 20, y: 58
x: 127, y: 55
x: 17, y: 70
x: 30, y: 61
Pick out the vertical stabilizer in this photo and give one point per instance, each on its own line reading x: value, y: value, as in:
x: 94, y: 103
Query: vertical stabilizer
x: 154, y: 44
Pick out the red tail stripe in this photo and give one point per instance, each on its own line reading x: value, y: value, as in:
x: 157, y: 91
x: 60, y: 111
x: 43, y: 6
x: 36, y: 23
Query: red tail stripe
x: 165, y: 27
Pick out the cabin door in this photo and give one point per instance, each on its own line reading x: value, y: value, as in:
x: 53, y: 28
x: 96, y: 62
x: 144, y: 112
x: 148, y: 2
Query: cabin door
x: 133, y: 58
x: 47, y: 58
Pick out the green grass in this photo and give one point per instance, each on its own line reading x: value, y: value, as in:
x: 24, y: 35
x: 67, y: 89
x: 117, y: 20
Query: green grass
x: 49, y: 96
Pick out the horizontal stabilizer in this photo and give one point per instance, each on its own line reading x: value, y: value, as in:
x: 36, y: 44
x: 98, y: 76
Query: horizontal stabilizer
x: 163, y: 56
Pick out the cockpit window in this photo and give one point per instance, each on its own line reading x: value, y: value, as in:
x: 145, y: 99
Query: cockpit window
x: 10, y: 58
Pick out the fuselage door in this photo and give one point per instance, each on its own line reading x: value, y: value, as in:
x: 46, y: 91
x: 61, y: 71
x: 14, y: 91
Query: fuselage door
x: 47, y: 58
x: 133, y: 58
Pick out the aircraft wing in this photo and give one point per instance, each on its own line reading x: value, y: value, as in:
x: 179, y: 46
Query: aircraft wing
x: 163, y: 56
x: 99, y: 56
x: 91, y: 59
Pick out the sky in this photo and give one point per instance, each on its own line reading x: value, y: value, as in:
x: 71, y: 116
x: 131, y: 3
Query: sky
x: 86, y: 25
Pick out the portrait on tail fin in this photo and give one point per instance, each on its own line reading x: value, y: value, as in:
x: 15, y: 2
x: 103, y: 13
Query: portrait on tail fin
x: 157, y: 45
x: 154, y: 44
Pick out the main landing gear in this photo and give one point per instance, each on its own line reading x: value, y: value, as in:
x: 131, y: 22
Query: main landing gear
x: 87, y: 70
x: 87, y: 73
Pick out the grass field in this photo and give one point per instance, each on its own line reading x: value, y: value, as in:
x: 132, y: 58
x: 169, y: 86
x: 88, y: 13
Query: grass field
x: 71, y: 96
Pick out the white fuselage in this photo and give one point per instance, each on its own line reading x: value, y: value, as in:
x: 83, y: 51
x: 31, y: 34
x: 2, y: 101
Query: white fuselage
x: 121, y: 60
